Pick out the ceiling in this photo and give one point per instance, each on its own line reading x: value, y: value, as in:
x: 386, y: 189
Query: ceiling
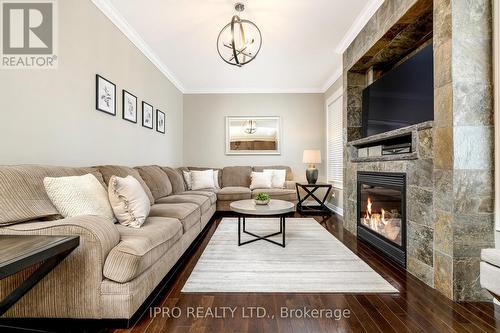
x: 301, y: 50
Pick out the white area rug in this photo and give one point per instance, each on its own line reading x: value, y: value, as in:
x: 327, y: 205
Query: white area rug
x: 312, y: 261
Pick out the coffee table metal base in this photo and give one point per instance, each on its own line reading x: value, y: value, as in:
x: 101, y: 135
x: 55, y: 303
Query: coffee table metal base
x: 241, y: 218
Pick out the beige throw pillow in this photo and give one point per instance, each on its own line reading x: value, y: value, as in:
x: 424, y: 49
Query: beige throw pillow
x: 78, y: 195
x: 202, y: 179
x: 261, y: 180
x: 278, y: 177
x: 129, y: 201
x: 187, y: 179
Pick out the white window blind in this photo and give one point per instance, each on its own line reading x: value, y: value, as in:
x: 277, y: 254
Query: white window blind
x: 334, y: 142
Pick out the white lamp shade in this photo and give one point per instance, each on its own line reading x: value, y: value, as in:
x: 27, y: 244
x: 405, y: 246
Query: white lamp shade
x: 311, y: 156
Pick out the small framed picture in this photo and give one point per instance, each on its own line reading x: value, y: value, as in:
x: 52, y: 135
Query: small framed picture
x: 105, y: 96
x: 129, y: 106
x: 160, y: 121
x: 147, y: 115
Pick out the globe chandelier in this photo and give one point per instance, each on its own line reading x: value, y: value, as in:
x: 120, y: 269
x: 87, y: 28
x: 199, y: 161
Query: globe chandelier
x: 240, y: 40
x: 250, y: 126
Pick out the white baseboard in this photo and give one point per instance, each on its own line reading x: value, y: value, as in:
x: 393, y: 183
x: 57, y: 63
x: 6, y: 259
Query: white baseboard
x: 335, y: 209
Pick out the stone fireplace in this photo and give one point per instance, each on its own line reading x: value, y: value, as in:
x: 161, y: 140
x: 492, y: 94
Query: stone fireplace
x: 449, y: 171
x: 382, y: 212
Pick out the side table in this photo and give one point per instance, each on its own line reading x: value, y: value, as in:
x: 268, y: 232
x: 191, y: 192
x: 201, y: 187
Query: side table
x: 310, y: 190
x: 18, y: 252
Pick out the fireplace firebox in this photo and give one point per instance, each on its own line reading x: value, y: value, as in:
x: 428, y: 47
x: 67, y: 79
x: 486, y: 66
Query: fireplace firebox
x: 382, y: 212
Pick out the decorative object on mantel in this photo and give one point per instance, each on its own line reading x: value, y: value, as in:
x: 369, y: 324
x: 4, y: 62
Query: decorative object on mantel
x: 312, y: 157
x: 105, y: 95
x: 129, y: 107
x: 253, y: 136
x: 240, y: 40
x: 262, y: 198
x: 160, y: 121
x: 147, y: 115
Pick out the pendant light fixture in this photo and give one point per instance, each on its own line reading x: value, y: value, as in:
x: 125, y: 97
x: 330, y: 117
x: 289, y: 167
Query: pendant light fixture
x: 240, y: 40
x: 250, y: 126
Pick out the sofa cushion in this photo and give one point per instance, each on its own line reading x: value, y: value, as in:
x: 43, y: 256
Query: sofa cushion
x: 202, y: 201
x: 122, y: 171
x: 236, y: 176
x: 156, y: 179
x: 22, y: 193
x: 232, y: 193
x: 138, y: 249
x: 289, y: 174
x: 188, y: 213
x: 491, y: 256
x: 210, y: 193
x: 277, y: 193
x: 175, y: 176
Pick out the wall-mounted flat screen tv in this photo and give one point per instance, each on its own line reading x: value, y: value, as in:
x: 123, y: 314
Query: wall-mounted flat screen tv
x: 402, y: 97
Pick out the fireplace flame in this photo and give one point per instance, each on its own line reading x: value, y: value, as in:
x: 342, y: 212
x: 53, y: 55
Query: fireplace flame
x: 386, y: 224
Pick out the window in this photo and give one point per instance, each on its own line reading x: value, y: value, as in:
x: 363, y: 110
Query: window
x: 335, y: 145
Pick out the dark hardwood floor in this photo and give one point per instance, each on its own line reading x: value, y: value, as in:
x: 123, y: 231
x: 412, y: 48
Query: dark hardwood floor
x: 417, y: 307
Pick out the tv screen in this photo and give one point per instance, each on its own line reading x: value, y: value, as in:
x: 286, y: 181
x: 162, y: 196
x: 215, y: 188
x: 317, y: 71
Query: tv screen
x: 402, y: 97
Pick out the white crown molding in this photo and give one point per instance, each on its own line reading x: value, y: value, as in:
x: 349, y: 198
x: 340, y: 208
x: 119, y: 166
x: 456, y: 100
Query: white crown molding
x: 359, y: 23
x: 254, y: 91
x: 121, y: 23
x: 336, y: 75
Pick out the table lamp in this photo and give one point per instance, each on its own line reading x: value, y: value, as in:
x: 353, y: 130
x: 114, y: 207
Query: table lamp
x: 312, y: 157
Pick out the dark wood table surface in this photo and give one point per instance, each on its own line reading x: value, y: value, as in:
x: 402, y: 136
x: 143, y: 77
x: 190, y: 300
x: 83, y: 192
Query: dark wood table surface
x: 18, y: 252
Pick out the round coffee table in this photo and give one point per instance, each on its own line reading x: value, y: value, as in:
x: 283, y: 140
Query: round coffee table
x: 248, y: 207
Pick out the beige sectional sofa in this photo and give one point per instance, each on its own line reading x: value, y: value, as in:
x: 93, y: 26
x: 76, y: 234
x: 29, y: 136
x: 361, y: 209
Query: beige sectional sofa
x: 115, y: 268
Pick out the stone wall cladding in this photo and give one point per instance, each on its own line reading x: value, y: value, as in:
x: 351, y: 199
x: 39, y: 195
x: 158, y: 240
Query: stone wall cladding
x: 450, y: 185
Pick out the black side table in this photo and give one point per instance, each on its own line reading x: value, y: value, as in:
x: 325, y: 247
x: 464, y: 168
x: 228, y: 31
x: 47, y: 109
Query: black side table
x: 18, y: 252
x: 310, y: 189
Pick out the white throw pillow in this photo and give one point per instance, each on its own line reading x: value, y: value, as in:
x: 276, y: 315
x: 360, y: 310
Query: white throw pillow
x: 278, y: 177
x: 128, y: 200
x: 202, y: 179
x: 216, y: 179
x: 78, y: 195
x: 261, y: 180
x: 187, y: 179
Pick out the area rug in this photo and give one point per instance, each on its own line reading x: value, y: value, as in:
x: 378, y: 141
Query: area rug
x: 313, y: 261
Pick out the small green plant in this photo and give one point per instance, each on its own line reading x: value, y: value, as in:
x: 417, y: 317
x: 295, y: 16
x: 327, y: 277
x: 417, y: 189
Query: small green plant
x: 262, y: 197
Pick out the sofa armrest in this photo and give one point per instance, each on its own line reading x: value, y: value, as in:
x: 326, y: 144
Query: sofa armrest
x: 290, y: 184
x: 72, y: 289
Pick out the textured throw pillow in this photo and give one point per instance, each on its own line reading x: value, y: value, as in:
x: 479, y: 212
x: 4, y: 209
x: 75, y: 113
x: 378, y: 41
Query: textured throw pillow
x: 202, y: 179
x: 129, y: 201
x: 216, y: 179
x: 78, y: 195
x: 278, y: 177
x: 260, y: 180
x: 187, y: 179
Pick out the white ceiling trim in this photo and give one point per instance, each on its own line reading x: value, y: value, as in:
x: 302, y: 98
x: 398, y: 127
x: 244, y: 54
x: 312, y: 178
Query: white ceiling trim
x: 333, y: 78
x: 256, y: 91
x: 112, y: 13
x: 360, y: 22
x: 119, y: 21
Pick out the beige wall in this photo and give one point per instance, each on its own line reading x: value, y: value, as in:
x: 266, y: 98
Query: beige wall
x: 302, y: 118
x: 337, y: 199
x: 49, y: 116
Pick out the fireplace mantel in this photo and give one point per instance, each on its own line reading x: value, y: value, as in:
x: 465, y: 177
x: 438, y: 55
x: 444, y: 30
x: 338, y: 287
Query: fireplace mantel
x: 379, y: 139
